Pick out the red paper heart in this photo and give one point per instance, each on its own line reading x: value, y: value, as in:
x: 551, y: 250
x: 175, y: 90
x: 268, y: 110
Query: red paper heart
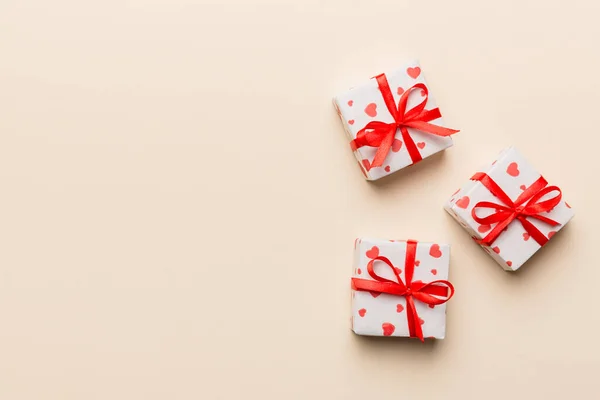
x: 362, y: 312
x: 396, y: 145
x: 400, y: 91
x: 522, y: 187
x: 417, y: 263
x: 526, y: 236
x: 367, y: 164
x: 484, y: 228
x: 413, y: 72
x: 421, y: 145
x: 513, y: 169
x: 399, y: 308
x: 496, y: 250
x: 434, y: 271
x: 550, y: 234
x: 387, y: 168
x: 509, y: 263
x: 463, y: 202
x: 371, y: 110
x: 373, y: 253
x: 350, y: 102
x: 434, y: 251
x: 375, y: 294
x: 388, y: 329
x: 351, y: 122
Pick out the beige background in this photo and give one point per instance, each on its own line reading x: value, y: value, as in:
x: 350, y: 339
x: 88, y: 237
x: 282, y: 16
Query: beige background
x: 179, y: 201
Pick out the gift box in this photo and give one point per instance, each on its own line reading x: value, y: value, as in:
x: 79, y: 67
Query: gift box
x: 399, y: 288
x: 509, y: 209
x: 392, y: 121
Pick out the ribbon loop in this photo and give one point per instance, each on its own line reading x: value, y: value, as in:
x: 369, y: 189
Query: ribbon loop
x: 381, y: 135
x: 431, y: 293
x: 528, y: 205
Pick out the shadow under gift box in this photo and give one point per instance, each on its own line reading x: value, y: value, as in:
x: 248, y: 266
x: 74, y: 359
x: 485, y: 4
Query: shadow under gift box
x: 515, y: 244
x: 365, y: 104
x: 382, y: 314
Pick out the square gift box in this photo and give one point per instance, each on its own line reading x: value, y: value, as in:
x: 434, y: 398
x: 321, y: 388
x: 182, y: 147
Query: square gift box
x: 399, y: 288
x: 392, y: 121
x: 509, y: 209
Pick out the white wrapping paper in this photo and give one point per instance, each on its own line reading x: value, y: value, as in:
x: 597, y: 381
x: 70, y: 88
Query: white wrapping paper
x: 381, y: 314
x: 364, y: 103
x: 513, y: 247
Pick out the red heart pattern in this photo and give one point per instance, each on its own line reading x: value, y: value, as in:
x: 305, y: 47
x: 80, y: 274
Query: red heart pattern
x: 421, y: 321
x: 513, y: 169
x: 423, y: 93
x: 398, y: 271
x: 387, y: 168
x: 359, y: 271
x: 522, y: 187
x: 496, y: 250
x: 350, y: 102
x: 434, y: 251
x: 509, y: 263
x: 362, y: 312
x: 526, y: 236
x: 351, y: 122
x: 434, y: 271
x: 371, y: 110
x: 396, y: 145
x: 421, y: 145
x: 399, y: 308
x: 373, y: 253
x: 413, y: 72
x: 400, y: 91
x: 463, y: 202
x: 388, y: 329
x: 417, y: 263
x: 375, y: 294
x: 484, y: 228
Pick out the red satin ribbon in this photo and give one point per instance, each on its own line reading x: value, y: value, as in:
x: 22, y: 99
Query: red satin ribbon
x: 527, y: 205
x: 418, y: 290
x: 381, y: 135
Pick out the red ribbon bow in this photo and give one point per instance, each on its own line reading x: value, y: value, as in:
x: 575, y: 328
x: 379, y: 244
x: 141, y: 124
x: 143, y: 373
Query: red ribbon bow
x: 424, y: 292
x: 527, y: 205
x: 380, y: 134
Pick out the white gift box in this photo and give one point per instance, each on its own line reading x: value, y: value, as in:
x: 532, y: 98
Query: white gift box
x: 365, y: 103
x: 382, y: 314
x: 514, y: 175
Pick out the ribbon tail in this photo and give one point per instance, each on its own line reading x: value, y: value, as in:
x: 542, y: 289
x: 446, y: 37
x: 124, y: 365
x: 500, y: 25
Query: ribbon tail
x: 414, y: 322
x: 384, y: 149
x: 411, y: 146
x: 533, y: 231
x: 431, y: 128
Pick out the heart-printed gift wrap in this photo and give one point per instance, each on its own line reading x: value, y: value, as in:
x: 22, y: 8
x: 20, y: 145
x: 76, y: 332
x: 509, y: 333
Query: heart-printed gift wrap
x: 510, y: 233
x: 366, y: 104
x: 384, y: 263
